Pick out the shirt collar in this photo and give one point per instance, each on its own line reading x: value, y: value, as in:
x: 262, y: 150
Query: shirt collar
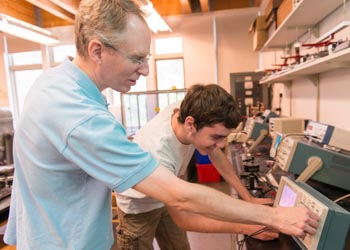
x: 87, y: 85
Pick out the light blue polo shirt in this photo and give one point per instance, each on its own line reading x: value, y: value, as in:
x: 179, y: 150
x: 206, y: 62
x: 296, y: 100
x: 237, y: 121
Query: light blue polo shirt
x: 69, y: 152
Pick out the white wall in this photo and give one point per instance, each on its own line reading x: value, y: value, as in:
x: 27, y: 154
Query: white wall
x: 209, y: 58
x: 326, y: 102
x: 335, y: 98
x: 199, y: 54
x: 304, y: 99
x: 203, y: 63
x: 235, y: 45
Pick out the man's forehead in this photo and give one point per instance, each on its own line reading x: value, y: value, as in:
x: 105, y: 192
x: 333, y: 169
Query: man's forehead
x: 217, y: 129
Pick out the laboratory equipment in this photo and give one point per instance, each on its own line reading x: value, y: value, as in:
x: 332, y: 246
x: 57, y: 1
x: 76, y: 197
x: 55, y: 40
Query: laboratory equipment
x: 334, y: 220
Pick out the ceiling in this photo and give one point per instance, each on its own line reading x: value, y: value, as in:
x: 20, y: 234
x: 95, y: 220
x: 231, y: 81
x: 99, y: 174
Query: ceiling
x: 53, y: 13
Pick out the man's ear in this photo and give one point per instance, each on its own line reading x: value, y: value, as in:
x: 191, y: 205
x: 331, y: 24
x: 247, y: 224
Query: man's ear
x: 175, y: 110
x: 95, y: 51
x: 189, y: 124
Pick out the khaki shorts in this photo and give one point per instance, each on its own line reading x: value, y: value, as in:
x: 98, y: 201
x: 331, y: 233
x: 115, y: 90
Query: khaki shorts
x: 137, y: 231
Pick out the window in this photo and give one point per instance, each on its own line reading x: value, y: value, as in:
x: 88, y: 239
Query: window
x: 169, y: 63
x: 61, y: 52
x: 170, y: 74
x: 141, y: 84
x: 169, y: 67
x: 171, y: 45
x: 24, y: 79
x: 26, y: 67
x: 26, y: 58
x: 140, y: 107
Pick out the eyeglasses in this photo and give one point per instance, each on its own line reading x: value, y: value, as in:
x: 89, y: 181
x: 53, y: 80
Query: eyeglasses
x: 134, y: 59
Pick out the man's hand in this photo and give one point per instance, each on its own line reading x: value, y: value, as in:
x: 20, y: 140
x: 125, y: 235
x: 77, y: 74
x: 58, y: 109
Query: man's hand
x: 267, y: 235
x: 297, y: 221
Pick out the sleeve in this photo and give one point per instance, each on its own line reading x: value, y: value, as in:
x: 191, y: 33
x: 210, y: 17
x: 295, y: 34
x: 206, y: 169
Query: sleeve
x: 100, y: 147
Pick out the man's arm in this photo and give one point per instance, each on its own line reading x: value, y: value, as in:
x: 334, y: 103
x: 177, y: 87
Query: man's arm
x: 195, y: 222
x: 225, y: 168
x: 184, y: 196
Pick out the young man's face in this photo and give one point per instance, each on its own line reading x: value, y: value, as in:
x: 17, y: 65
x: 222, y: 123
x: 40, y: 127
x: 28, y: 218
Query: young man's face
x: 208, y: 138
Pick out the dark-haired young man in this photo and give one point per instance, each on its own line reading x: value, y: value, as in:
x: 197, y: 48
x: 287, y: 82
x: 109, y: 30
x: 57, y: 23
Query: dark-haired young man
x: 202, y: 121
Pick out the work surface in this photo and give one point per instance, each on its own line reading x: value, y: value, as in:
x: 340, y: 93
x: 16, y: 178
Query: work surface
x: 284, y: 242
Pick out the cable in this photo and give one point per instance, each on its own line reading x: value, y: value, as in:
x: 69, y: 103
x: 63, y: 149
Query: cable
x: 267, y: 182
x: 314, y: 139
x: 241, y: 242
x: 342, y: 198
x: 285, y: 136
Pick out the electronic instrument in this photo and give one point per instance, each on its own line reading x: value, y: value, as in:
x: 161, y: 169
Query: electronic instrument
x: 334, y: 220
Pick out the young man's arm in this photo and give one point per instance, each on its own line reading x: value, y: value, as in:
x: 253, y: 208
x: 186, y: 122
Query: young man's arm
x: 228, y: 172
x: 171, y: 190
x: 195, y: 222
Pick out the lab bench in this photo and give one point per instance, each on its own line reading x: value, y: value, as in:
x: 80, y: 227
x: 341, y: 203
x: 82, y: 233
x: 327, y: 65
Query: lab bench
x: 284, y: 242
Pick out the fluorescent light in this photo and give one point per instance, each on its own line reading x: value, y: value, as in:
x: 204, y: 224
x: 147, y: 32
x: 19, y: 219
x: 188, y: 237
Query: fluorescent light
x: 18, y: 28
x: 154, y: 20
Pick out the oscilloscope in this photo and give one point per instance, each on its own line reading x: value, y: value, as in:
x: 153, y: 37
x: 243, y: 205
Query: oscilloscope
x: 334, y: 220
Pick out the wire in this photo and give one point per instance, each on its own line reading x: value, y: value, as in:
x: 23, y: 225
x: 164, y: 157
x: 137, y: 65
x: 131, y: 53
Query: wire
x: 241, y: 242
x: 288, y: 135
x: 342, y: 198
x: 267, y: 182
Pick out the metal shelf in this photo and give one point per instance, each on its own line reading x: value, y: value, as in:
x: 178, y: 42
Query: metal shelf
x: 340, y: 59
x: 304, y: 16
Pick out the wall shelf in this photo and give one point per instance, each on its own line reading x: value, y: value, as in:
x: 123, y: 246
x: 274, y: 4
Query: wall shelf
x: 340, y: 59
x: 304, y: 16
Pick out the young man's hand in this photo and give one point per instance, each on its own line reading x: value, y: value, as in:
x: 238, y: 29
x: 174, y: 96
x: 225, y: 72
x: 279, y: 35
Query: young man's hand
x: 254, y: 232
x: 262, y: 201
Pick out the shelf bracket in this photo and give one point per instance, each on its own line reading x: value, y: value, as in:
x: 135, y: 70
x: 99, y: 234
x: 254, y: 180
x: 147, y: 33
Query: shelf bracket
x: 313, y: 78
x: 300, y: 30
x: 315, y: 31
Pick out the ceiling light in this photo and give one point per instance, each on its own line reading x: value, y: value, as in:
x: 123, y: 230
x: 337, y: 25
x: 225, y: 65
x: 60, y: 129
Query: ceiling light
x: 18, y: 28
x: 154, y: 20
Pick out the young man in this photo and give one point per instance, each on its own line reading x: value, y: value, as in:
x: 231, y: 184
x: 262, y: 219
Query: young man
x: 69, y: 151
x: 201, y: 122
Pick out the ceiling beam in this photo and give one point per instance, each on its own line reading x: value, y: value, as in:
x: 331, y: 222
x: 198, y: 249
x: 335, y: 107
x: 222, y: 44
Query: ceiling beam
x: 49, y: 20
x: 186, y: 6
x: 52, y: 8
x: 204, y: 5
x: 19, y: 9
x: 229, y: 4
x: 69, y: 5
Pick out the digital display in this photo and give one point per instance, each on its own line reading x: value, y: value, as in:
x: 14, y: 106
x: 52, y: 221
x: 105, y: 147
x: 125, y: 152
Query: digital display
x: 317, y: 131
x: 288, y: 197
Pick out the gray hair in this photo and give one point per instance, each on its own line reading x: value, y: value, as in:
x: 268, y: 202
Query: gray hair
x: 104, y: 20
